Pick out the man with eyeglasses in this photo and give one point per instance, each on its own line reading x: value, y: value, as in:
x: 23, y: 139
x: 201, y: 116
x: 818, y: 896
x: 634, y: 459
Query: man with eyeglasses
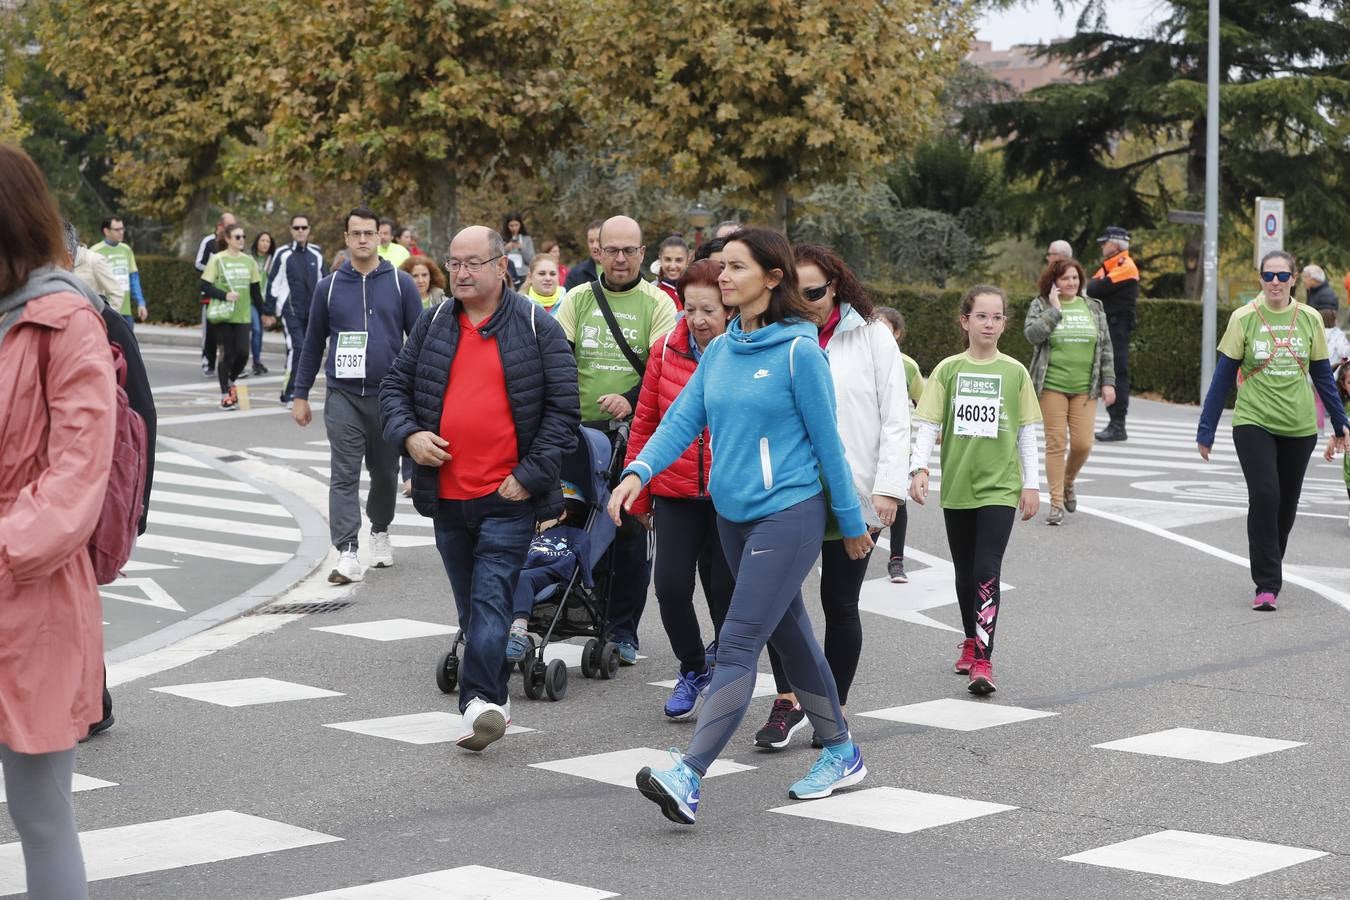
x: 1058, y: 250
x: 205, y: 250
x: 484, y: 399
x: 359, y: 314
x: 611, y: 324
x: 589, y: 269
x: 123, y: 264
x: 296, y: 270
x: 1116, y: 285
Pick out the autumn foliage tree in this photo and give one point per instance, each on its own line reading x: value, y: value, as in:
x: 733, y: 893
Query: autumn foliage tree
x: 414, y: 101
x: 763, y: 100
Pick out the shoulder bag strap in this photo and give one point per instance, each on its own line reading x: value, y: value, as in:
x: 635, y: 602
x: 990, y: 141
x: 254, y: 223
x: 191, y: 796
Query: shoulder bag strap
x: 603, y: 302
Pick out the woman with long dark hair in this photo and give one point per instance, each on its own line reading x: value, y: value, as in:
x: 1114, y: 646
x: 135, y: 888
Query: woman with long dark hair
x: 263, y: 246
x: 519, y: 245
x: 764, y: 390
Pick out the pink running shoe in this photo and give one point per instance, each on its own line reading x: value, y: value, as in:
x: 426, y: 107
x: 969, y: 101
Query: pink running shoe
x: 1264, y: 602
x: 982, y: 677
x: 967, y: 656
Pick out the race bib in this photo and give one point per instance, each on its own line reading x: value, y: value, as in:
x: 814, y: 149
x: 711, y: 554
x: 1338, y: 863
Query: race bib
x: 350, y: 359
x: 977, y: 404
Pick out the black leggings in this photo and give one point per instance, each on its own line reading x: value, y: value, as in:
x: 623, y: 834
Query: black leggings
x: 1273, y: 467
x: 898, y: 529
x: 233, y: 340
x: 687, y: 539
x: 978, y: 539
x: 841, y: 581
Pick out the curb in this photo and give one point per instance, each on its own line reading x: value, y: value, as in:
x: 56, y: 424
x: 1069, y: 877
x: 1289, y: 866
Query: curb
x: 308, y: 558
x: 191, y: 336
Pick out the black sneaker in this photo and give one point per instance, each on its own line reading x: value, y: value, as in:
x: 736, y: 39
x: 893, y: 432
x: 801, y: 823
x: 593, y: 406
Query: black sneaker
x: 1113, y: 432
x: 896, y: 569
x: 106, y: 722
x: 785, y: 719
x: 259, y: 369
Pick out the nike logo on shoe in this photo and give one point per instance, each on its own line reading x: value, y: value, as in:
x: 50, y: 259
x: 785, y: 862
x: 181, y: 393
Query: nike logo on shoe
x: 762, y: 373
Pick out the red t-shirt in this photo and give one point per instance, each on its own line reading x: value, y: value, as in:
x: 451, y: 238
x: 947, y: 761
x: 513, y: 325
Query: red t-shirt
x: 476, y: 418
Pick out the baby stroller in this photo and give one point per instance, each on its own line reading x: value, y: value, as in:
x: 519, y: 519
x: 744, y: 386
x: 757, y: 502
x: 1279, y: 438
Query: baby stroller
x: 568, y: 608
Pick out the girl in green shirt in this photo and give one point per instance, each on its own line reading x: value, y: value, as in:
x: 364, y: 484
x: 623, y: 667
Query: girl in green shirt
x: 982, y: 403
x: 233, y: 283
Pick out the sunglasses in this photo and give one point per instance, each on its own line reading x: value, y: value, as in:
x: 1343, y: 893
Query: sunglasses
x: 817, y: 293
x: 299, y: 228
x: 1272, y: 276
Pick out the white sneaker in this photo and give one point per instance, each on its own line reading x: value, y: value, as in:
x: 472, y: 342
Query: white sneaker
x: 348, y: 569
x: 381, y: 554
x: 484, y: 723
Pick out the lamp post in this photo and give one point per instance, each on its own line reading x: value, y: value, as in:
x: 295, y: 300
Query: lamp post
x: 1210, y: 297
x: 700, y: 217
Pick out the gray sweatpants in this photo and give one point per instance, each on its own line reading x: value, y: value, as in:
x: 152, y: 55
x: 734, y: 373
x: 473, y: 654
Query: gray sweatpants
x: 770, y: 559
x: 353, y: 425
x: 37, y: 788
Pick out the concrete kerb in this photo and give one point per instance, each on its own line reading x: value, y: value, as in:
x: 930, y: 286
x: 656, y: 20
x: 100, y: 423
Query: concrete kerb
x: 309, y: 558
x: 191, y: 336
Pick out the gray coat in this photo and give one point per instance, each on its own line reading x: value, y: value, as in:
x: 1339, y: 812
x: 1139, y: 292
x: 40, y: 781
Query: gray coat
x: 1042, y: 317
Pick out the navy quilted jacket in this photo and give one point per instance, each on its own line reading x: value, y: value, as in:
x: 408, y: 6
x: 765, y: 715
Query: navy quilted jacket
x: 541, y: 382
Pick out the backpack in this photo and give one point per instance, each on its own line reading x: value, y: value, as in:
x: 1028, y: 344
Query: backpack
x: 114, y: 536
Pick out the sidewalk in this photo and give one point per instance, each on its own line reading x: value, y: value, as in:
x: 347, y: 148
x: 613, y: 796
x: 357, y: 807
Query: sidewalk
x: 191, y: 336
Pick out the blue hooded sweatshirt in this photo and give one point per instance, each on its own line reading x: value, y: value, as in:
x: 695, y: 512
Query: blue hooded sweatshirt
x: 767, y: 399
x: 385, y: 304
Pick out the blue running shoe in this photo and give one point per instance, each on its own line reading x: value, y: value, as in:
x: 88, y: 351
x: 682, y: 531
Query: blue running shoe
x: 687, y: 696
x: 627, y: 653
x: 517, y: 646
x: 675, y: 790
x: 837, y: 767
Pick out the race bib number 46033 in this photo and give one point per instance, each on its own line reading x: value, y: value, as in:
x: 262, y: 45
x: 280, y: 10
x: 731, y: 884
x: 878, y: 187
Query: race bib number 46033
x: 350, y: 359
x: 977, y: 404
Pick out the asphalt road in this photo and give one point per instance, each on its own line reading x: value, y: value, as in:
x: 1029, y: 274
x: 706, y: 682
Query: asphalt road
x: 1131, y: 620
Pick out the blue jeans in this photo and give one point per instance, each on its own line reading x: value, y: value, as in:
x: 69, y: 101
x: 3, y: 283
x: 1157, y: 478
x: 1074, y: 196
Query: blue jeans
x: 483, y: 543
x: 255, y: 336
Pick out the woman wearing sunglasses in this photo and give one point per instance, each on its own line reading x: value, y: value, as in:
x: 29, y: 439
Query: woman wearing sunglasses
x: 873, y: 404
x: 234, y: 284
x: 1270, y: 348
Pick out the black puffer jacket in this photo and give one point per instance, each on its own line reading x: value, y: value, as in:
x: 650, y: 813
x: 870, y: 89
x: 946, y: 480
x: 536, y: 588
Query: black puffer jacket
x: 541, y: 381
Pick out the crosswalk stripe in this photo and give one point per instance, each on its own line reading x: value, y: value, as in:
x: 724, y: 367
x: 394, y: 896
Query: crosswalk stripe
x: 178, y: 459
x: 232, y: 553
x: 228, y: 526
x: 464, y: 883
x: 293, y: 454
x: 182, y: 479
x: 170, y: 844
x: 205, y: 501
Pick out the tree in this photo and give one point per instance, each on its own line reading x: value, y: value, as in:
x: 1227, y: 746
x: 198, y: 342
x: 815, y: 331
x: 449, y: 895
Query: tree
x: 183, y: 87
x: 763, y: 100
x: 947, y: 176
x: 413, y: 102
x: 1284, y: 97
x: 13, y: 128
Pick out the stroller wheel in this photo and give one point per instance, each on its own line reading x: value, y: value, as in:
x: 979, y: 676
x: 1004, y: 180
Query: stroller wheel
x: 534, y: 680
x: 609, y: 660
x: 590, y: 663
x: 555, y: 680
x: 447, y: 673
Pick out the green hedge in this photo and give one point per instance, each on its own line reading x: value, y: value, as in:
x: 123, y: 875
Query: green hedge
x: 170, y: 285
x: 1164, y: 357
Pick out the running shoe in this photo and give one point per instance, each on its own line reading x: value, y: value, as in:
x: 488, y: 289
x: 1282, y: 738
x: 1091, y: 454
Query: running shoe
x: 785, y: 719
x: 967, y: 656
x: 381, y: 553
x: 1070, y: 499
x: 517, y: 644
x: 484, y: 724
x: 896, y: 569
x: 230, y: 400
x: 836, y: 767
x: 1264, y: 602
x: 259, y: 369
x: 627, y: 653
x: 1055, y: 516
x: 675, y: 790
x: 982, y: 677
x: 687, y: 696
x: 348, y: 568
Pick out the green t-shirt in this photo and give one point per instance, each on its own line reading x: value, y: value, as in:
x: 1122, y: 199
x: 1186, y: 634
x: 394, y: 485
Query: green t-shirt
x: 1073, y: 349
x: 122, y: 262
x: 234, y: 273
x: 644, y: 313
x: 1273, y: 349
x: 396, y: 253
x: 979, y: 405
x: 913, y: 378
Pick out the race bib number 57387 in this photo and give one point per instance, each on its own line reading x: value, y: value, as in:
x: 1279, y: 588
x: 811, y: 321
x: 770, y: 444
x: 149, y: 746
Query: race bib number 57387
x: 349, y: 359
x: 977, y: 404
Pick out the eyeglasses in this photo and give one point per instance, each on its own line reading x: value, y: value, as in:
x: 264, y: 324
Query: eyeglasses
x: 614, y: 252
x: 236, y: 237
x: 982, y: 318
x: 817, y: 293
x: 471, y: 265
x: 1272, y: 276
x: 299, y: 228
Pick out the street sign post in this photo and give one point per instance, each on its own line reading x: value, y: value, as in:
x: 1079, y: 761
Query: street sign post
x: 1269, y: 227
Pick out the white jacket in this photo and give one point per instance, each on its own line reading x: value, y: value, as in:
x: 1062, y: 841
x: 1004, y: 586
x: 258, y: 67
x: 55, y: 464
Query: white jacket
x: 873, y: 408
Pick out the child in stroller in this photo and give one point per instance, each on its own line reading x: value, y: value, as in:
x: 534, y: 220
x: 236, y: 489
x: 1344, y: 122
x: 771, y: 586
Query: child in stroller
x: 561, y: 547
